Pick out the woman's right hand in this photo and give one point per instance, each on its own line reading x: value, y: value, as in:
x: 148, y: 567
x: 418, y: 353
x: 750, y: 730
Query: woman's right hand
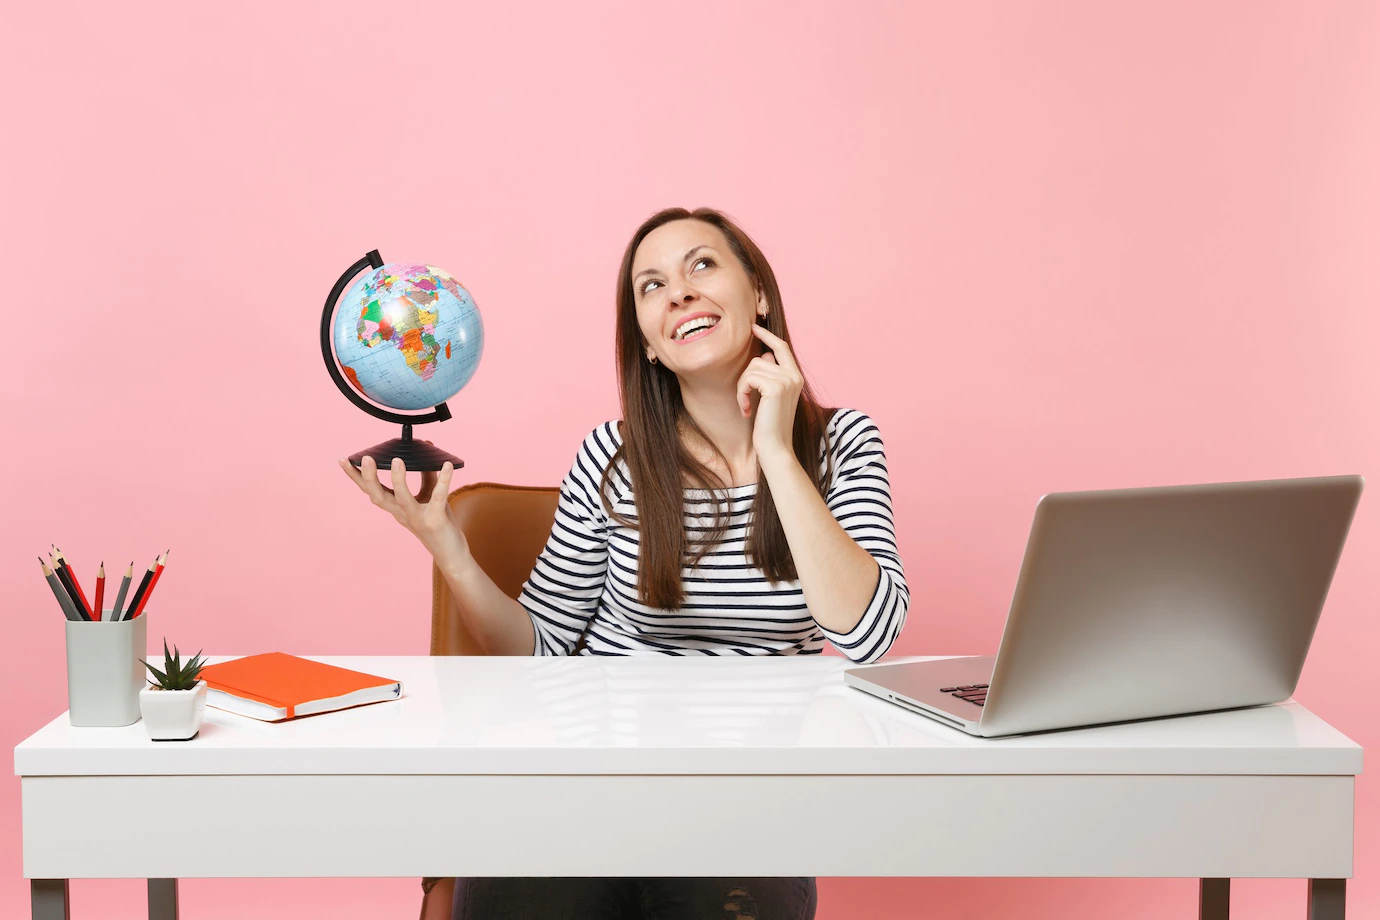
x: 429, y: 519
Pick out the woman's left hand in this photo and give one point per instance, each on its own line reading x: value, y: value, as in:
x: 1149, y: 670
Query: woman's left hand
x: 778, y: 381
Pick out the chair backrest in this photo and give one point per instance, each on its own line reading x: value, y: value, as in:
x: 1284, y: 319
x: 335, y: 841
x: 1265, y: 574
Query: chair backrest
x: 506, y: 527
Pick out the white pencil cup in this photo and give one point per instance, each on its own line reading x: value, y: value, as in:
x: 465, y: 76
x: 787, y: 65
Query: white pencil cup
x: 104, y: 672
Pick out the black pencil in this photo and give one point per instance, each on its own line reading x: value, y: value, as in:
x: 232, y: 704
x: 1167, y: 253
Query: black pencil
x: 61, y: 572
x: 139, y: 592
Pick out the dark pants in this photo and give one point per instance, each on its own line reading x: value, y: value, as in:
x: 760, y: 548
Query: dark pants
x: 634, y: 899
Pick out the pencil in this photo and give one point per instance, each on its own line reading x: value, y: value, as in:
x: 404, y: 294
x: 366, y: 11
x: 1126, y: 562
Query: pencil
x: 149, y: 593
x: 66, y: 578
x: 100, y: 590
x: 72, y: 577
x: 69, y: 609
x: 139, y: 591
x: 120, y: 597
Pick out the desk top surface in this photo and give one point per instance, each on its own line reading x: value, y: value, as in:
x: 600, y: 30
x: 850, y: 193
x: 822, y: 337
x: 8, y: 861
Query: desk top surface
x: 655, y: 715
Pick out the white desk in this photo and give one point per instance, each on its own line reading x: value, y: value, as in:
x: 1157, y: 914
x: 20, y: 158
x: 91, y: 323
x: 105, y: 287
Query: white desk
x: 543, y: 766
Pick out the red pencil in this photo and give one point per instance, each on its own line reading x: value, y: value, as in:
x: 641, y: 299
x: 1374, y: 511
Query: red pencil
x: 100, y: 590
x: 158, y: 570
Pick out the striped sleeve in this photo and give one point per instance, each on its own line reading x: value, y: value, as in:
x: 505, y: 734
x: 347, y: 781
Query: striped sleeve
x: 860, y: 500
x: 562, y: 594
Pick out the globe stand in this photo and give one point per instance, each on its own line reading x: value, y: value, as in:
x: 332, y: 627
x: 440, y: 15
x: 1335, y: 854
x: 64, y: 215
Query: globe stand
x: 416, y: 455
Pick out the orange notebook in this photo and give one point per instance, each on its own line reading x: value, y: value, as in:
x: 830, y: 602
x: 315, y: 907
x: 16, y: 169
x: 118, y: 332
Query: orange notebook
x: 276, y: 686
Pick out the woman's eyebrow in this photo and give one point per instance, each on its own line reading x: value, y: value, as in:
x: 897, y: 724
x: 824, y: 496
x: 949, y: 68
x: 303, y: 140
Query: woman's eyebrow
x: 685, y: 258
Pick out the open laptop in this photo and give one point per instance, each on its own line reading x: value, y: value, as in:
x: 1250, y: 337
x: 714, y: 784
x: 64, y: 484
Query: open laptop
x: 1138, y: 603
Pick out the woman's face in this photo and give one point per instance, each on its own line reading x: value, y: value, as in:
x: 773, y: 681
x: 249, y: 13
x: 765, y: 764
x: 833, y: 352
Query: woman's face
x: 685, y: 271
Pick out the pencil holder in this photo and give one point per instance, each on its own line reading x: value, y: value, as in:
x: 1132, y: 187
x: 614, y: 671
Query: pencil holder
x: 104, y: 673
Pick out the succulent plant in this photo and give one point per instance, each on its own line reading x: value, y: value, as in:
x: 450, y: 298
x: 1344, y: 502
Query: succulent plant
x: 178, y: 676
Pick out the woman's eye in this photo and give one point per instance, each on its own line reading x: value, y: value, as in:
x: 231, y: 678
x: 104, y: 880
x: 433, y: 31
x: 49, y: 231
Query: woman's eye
x: 647, y: 286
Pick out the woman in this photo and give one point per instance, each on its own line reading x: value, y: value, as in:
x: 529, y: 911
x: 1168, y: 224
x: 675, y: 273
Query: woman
x: 727, y: 514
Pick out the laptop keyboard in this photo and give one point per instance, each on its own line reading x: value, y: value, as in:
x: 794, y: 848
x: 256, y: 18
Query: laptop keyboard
x: 973, y: 693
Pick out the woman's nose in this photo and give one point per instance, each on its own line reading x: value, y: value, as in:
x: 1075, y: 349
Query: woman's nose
x: 683, y: 294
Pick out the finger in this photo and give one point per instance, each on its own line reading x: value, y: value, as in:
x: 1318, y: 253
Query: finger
x: 356, y: 476
x: 746, y: 384
x: 744, y: 387
x: 370, y: 469
x: 765, y: 383
x: 400, y: 491
x: 441, y: 490
x: 350, y: 471
x: 369, y: 482
x: 769, y: 370
x: 778, y: 345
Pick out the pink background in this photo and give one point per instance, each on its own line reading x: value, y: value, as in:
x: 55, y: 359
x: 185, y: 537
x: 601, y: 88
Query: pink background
x: 1045, y: 245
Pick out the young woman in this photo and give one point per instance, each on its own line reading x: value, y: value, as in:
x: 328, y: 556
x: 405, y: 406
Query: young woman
x: 726, y: 514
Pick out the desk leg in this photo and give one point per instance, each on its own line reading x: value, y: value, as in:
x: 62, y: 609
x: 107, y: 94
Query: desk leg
x: 1326, y: 898
x: 50, y: 899
x: 1214, y: 898
x: 162, y: 899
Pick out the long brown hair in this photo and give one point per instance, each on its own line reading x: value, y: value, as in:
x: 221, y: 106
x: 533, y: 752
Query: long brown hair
x: 652, y: 414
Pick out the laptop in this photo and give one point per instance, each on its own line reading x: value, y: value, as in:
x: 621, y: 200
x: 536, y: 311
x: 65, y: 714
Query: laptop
x: 1140, y: 603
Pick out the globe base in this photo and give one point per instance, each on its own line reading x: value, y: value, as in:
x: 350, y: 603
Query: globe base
x: 416, y: 455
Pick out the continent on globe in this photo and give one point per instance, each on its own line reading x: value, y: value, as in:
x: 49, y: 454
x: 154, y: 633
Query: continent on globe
x: 351, y: 376
x: 411, y: 328
x: 408, y: 336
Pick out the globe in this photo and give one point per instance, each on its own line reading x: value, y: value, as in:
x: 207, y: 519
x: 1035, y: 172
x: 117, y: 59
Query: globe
x: 397, y: 337
x: 407, y: 336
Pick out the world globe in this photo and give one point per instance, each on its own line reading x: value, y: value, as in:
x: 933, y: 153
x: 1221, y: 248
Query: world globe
x: 408, y: 336
x: 397, y: 337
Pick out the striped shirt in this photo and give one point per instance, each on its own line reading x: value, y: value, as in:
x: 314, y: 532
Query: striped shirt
x: 585, y: 580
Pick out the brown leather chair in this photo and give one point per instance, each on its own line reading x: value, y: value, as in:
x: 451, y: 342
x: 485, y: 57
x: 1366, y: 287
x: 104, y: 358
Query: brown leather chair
x: 506, y: 527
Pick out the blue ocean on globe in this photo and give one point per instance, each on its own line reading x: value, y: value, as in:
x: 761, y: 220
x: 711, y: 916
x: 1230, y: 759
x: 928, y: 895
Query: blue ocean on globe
x: 407, y: 336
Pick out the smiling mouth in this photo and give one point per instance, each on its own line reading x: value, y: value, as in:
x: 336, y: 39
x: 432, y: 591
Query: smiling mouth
x: 697, y: 334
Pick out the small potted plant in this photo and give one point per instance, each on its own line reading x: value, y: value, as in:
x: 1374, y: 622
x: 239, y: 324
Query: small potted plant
x: 173, y: 707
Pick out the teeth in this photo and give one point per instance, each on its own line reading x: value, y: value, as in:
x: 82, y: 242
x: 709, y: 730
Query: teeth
x: 695, y: 325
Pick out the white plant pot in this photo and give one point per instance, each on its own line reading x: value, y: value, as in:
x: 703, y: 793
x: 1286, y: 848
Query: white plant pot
x: 173, y: 715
